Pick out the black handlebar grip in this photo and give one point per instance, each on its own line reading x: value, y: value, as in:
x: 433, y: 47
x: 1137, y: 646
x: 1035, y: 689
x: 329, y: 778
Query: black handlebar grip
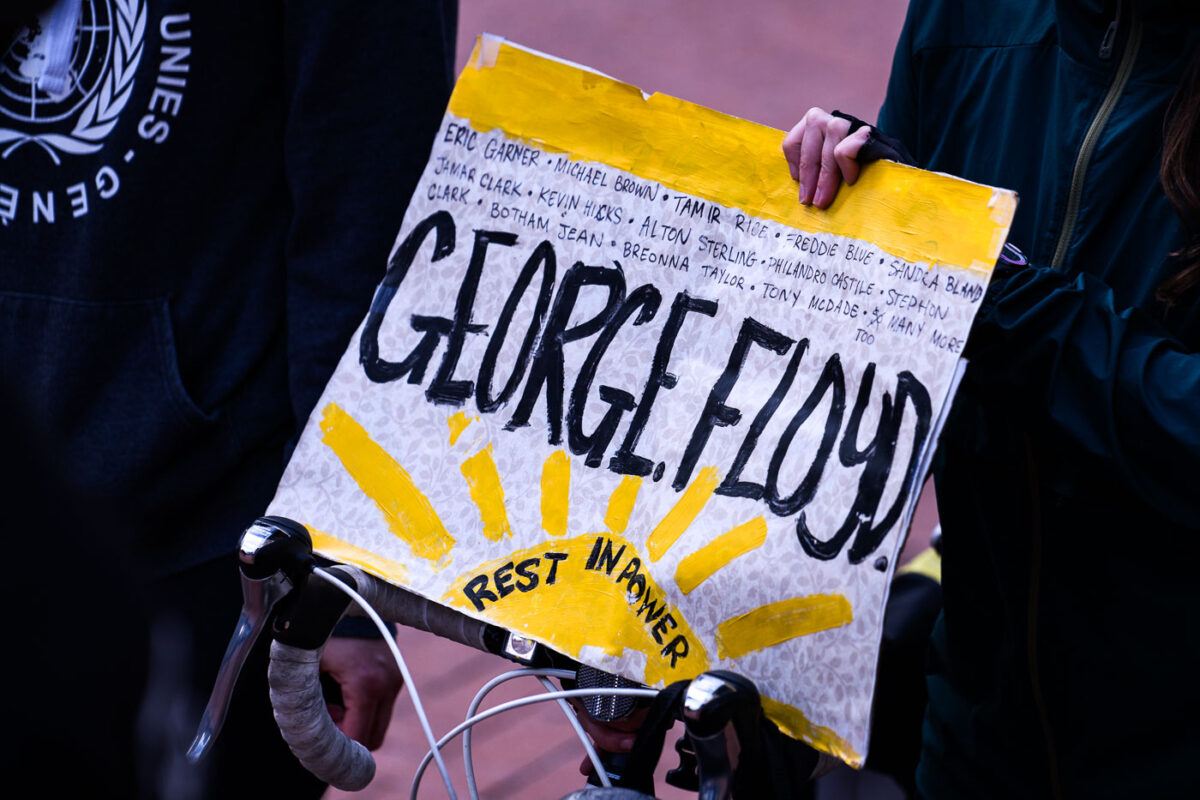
x: 310, y: 614
x: 414, y: 611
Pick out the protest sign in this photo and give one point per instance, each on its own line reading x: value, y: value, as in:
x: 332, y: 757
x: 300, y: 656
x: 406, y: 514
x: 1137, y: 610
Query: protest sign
x: 620, y: 393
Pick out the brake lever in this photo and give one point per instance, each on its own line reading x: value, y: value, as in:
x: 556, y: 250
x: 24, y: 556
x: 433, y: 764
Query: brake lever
x: 275, y: 556
x: 721, y: 712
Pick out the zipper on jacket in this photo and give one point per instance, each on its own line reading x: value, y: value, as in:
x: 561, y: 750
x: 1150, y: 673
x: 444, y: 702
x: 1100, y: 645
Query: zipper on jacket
x: 1092, y: 137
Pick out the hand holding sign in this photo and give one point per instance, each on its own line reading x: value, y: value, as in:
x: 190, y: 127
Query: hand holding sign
x: 821, y: 153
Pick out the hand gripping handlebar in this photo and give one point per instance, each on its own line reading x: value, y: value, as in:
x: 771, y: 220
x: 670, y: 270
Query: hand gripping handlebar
x: 278, y: 587
x: 294, y: 674
x: 732, y: 747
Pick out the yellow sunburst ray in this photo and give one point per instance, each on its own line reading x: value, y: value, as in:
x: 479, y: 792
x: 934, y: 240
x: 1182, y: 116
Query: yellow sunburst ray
x: 408, y: 512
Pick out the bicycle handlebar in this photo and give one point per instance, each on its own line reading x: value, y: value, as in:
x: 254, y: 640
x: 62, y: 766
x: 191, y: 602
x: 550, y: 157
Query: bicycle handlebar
x: 277, y: 563
x: 721, y: 711
x: 413, y: 611
x: 294, y: 670
x: 304, y: 721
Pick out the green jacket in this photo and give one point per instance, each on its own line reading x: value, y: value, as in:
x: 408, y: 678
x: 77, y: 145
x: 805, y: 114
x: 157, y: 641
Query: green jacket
x: 1065, y: 662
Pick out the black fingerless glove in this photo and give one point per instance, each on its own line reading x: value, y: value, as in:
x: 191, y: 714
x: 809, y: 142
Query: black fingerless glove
x: 879, y: 145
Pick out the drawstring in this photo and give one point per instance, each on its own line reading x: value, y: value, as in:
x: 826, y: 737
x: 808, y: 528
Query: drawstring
x: 59, y: 32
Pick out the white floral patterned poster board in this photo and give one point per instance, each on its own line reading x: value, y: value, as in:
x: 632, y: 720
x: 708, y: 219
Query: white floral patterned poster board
x: 621, y: 394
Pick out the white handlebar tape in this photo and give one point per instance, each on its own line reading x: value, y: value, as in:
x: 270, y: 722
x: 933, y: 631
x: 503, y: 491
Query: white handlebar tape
x: 294, y: 676
x: 300, y: 712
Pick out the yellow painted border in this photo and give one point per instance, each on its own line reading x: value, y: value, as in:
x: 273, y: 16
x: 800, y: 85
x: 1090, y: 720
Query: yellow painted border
x: 792, y: 721
x: 340, y: 550
x: 913, y: 214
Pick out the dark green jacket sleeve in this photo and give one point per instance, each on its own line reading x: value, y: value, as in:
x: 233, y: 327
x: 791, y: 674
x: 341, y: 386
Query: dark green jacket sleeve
x: 1079, y: 368
x: 1111, y: 381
